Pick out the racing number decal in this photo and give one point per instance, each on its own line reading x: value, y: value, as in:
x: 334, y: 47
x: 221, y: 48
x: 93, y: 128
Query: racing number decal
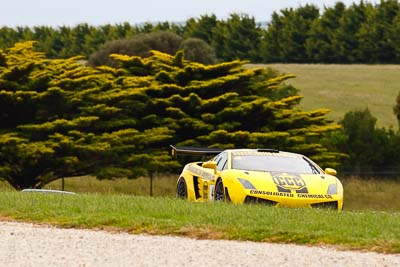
x: 288, y: 182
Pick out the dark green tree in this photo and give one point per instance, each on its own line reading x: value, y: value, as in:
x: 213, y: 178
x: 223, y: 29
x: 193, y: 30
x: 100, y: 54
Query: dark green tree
x: 394, y: 34
x: 374, y: 35
x: 237, y: 38
x: 270, y: 45
x: 8, y: 37
x: 350, y: 23
x: 201, y: 28
x: 322, y: 43
x: 287, y: 34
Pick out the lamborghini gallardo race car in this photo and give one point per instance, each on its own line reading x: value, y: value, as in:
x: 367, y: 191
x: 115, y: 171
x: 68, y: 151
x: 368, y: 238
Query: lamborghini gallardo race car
x: 265, y: 176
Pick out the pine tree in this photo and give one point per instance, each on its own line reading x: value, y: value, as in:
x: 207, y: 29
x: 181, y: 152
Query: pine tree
x: 55, y: 123
x: 60, y: 118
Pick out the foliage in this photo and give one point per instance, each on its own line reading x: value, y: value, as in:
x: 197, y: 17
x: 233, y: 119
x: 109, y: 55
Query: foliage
x: 371, y: 151
x: 138, y: 45
x: 141, y: 45
x: 61, y: 118
x: 362, y: 32
x: 237, y: 38
x: 322, y: 43
x: 198, y: 50
x: 285, y: 39
x: 201, y: 28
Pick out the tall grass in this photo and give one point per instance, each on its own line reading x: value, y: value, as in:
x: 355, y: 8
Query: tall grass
x: 163, y: 185
x: 359, y: 194
x: 377, y: 231
x: 371, y: 194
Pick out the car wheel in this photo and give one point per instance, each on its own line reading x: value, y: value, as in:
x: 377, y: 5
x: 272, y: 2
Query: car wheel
x: 181, y: 189
x: 219, y: 194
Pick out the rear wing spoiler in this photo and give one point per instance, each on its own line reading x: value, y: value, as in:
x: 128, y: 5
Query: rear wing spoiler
x: 194, y: 151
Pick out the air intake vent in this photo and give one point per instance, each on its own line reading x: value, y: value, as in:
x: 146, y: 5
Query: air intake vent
x: 256, y: 200
x: 270, y: 150
x: 326, y: 205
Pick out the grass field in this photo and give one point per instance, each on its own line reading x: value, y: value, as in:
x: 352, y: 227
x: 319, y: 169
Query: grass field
x: 371, y: 194
x: 375, y: 231
x: 360, y: 194
x: 342, y: 88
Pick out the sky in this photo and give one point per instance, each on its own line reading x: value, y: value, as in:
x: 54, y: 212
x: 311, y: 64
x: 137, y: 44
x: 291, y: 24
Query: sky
x: 98, y: 12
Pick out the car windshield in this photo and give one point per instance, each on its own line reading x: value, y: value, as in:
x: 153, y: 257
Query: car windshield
x: 274, y: 164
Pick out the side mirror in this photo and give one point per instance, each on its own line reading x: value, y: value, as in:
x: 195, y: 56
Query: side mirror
x: 330, y: 171
x: 210, y: 165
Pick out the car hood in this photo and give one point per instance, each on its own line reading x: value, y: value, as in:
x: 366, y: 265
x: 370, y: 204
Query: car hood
x: 287, y: 182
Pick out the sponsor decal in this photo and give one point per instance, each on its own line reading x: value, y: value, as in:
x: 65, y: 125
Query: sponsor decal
x: 289, y: 182
x: 284, y: 194
x: 314, y: 196
x: 267, y: 193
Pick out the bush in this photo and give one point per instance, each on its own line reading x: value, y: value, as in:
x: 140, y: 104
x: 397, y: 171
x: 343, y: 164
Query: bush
x: 371, y: 150
x: 198, y: 50
x: 138, y: 45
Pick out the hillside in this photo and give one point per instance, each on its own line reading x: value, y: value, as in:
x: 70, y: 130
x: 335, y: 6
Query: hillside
x: 342, y: 88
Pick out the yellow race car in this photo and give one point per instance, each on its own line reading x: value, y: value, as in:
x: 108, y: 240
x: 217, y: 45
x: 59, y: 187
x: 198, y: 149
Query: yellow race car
x: 266, y: 176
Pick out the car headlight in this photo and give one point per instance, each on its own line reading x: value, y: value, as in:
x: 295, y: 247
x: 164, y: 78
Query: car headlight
x: 246, y: 184
x: 332, y: 189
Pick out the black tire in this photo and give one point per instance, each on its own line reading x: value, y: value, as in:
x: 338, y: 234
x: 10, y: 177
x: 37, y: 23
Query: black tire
x: 219, y: 191
x: 181, y: 189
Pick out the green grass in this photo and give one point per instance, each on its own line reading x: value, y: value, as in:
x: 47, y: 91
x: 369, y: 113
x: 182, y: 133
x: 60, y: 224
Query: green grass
x: 360, y: 194
x: 375, y: 231
x: 371, y: 194
x: 343, y: 88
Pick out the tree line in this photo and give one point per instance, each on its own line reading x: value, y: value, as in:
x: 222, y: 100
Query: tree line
x: 360, y: 33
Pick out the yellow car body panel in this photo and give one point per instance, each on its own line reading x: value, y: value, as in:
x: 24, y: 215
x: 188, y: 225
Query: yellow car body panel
x: 274, y: 188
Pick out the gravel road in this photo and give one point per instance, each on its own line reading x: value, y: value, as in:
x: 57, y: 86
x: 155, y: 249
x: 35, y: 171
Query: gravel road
x: 24, y: 244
